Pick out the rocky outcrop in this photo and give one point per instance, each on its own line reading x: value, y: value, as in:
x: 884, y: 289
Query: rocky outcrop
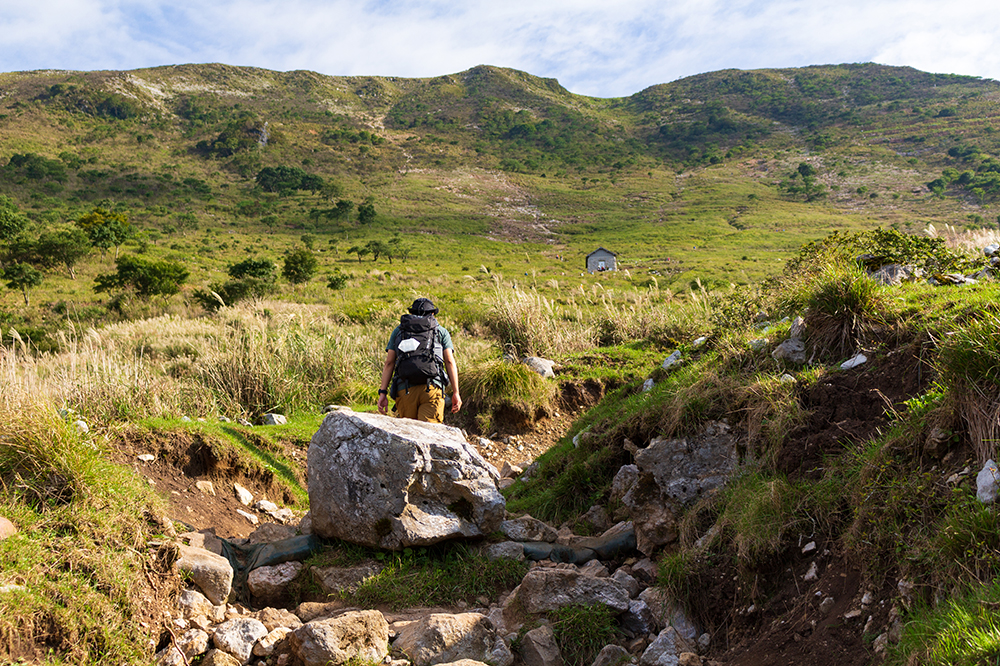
x: 672, y: 473
x: 394, y: 483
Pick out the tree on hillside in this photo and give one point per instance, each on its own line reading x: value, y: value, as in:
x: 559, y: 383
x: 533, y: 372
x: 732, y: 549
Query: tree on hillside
x: 378, y: 249
x: 300, y: 265
x: 147, y: 278
x: 23, y: 277
x: 366, y: 212
x: 105, y: 228
x: 12, y: 220
x: 64, y: 247
x: 360, y: 250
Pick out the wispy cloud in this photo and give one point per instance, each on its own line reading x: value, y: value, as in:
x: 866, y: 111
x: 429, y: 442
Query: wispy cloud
x: 593, y: 47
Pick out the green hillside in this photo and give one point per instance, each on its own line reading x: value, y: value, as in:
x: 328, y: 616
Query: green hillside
x: 715, y: 178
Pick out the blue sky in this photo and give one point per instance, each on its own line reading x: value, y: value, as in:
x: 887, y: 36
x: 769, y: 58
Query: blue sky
x: 602, y: 48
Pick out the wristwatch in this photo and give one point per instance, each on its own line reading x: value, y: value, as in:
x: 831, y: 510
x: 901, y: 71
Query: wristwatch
x: 383, y: 392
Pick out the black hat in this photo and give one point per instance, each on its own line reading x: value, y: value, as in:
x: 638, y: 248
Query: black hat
x: 423, y: 306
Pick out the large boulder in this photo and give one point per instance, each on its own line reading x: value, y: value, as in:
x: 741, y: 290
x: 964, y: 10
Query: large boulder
x: 393, y: 483
x: 672, y: 474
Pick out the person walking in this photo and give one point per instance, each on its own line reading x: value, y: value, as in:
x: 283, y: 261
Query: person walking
x: 419, y: 365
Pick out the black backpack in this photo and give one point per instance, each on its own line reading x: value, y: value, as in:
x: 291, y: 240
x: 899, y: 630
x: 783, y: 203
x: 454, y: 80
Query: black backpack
x: 419, y: 356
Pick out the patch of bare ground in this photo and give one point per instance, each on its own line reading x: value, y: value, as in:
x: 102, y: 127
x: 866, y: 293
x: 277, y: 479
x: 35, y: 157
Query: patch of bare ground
x: 183, y: 458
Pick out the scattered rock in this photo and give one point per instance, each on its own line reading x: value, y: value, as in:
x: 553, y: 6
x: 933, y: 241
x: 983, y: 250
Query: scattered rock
x: 544, y: 590
x: 269, y: 584
x: 206, y: 487
x: 394, y: 483
x: 271, y: 532
x: 812, y: 574
x: 986, y: 483
x: 505, y: 550
x: 611, y: 655
x: 274, y: 419
x: 334, y: 580
x: 265, y: 646
x: 671, y: 360
x: 243, y: 495
x: 526, y: 528
x: 213, y: 574
x: 539, y: 648
x: 238, y: 636
x: 854, y: 362
x: 542, y: 366
x: 440, y: 638
x: 362, y: 635
x: 826, y: 605
x: 146, y: 457
x: 791, y: 351
x: 665, y: 650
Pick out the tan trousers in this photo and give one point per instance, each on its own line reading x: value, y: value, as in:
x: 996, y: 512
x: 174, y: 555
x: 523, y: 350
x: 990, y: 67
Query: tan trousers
x: 423, y: 403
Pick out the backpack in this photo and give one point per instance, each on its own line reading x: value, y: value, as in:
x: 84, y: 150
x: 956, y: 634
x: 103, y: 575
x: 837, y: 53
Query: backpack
x: 419, y: 356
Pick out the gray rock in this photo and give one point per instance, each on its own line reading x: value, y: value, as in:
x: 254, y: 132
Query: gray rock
x: 542, y: 366
x: 238, y: 636
x: 213, y: 574
x: 271, y: 532
x: 192, y: 603
x: 266, y: 645
x: 273, y: 618
x: 892, y: 275
x: 673, y: 473
x: 596, y: 519
x: 791, y: 351
x: 394, y: 483
x: 505, y: 550
x: 333, y: 580
x: 638, y: 620
x: 665, y: 650
x: 527, y: 528
x: 611, y: 655
x: 269, y: 584
x: 624, y: 479
x: 220, y: 658
x: 986, y: 483
x: 669, y: 613
x: 671, y: 360
x: 798, y: 328
x: 539, y: 648
x: 627, y: 581
x: 274, y: 419
x: 362, y: 635
x: 440, y: 638
x: 243, y: 495
x: 544, y: 590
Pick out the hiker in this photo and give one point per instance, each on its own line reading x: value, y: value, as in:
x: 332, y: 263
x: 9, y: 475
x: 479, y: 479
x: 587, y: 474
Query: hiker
x: 419, y: 364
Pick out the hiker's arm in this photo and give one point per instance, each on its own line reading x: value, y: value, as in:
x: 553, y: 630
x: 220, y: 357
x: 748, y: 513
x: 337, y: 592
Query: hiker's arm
x: 452, y: 369
x: 387, y: 368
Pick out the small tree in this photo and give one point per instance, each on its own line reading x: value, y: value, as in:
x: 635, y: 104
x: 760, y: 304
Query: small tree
x: 23, y: 277
x: 336, y: 280
x: 65, y: 247
x: 147, y: 278
x: 105, y: 228
x: 366, y: 212
x: 300, y: 266
x: 360, y: 250
x: 12, y: 220
x: 378, y: 248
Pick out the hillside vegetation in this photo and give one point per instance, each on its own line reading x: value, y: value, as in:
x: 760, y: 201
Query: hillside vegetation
x: 212, y: 242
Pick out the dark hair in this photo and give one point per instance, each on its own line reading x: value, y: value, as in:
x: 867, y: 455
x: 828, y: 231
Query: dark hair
x: 423, y: 306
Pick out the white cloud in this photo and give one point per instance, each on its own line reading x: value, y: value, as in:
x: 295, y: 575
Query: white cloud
x: 593, y: 47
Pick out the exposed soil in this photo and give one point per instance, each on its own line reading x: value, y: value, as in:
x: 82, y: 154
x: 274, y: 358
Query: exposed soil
x: 182, y: 459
